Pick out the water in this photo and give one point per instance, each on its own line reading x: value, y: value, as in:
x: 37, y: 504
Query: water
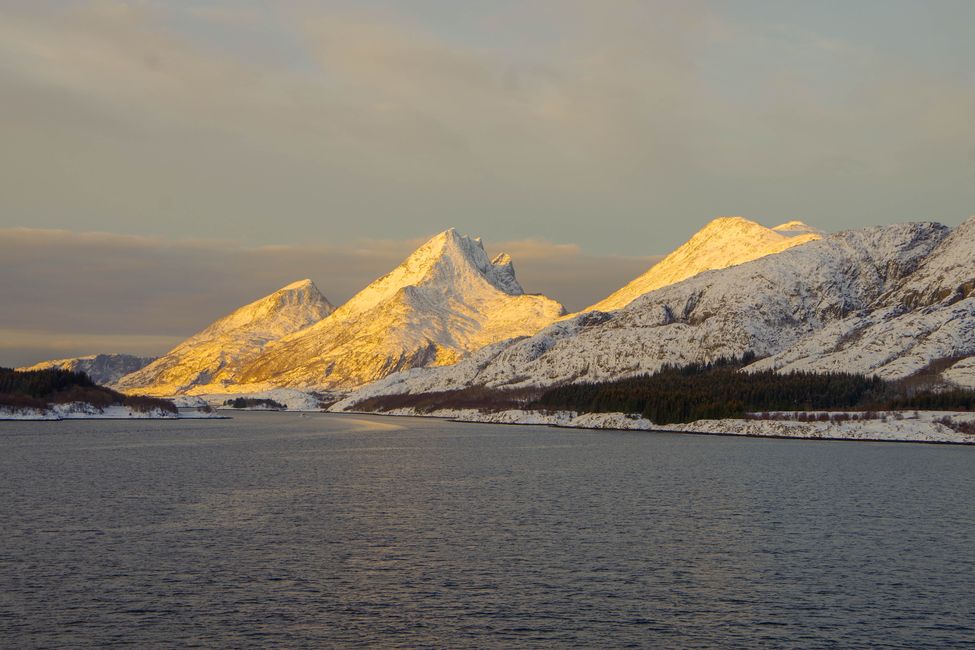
x: 275, y: 529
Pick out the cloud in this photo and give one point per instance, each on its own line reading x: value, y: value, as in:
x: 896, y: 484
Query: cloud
x: 68, y: 293
x: 609, y: 123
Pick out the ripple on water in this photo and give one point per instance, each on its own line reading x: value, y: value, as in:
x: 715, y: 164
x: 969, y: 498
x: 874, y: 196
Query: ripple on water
x: 344, y: 531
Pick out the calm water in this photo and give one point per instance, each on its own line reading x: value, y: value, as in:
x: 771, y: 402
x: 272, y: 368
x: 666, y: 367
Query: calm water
x: 273, y: 529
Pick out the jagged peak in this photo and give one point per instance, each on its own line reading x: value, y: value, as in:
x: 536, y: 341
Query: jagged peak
x: 447, y: 259
x: 298, y: 285
x: 504, y: 273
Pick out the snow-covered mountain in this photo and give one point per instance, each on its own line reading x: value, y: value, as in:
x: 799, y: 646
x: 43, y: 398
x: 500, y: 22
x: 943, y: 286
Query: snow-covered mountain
x: 726, y: 241
x: 445, y: 300
x: 214, y: 357
x: 928, y: 316
x: 104, y: 369
x: 767, y: 306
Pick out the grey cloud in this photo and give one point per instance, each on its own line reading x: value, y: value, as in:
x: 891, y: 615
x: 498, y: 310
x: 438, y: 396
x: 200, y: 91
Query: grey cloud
x: 610, y: 123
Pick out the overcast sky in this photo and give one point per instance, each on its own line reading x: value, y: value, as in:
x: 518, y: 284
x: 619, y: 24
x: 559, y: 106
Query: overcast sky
x: 164, y: 162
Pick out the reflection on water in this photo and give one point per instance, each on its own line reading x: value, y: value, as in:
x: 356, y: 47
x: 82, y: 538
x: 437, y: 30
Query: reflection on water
x: 348, y: 530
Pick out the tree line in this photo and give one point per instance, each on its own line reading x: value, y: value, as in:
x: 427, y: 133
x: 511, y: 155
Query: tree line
x: 39, y: 389
x: 721, y: 390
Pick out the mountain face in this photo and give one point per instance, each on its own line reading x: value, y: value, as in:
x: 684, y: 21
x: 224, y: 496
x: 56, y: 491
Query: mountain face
x: 444, y: 301
x: 726, y: 241
x: 104, y: 369
x: 928, y: 316
x: 214, y: 357
x: 768, y: 306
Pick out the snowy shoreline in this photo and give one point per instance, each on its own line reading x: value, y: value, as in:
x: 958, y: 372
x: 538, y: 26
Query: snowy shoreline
x: 81, y: 411
x: 924, y: 429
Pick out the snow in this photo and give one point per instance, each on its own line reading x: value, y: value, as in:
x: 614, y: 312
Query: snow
x: 888, y: 300
x: 444, y: 301
x: 908, y: 429
x: 82, y: 411
x: 723, y: 242
x: 927, y: 316
x: 765, y: 306
x: 104, y: 369
x: 213, y: 357
x: 795, y: 227
x: 888, y: 342
x: 961, y: 373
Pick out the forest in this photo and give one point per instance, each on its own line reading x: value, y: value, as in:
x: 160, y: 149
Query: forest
x: 255, y: 403
x: 700, y: 391
x: 721, y: 390
x: 38, y: 389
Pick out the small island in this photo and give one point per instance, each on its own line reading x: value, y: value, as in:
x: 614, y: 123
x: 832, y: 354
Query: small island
x: 254, y: 404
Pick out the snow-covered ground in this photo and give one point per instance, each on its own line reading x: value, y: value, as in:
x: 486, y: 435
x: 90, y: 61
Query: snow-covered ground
x: 922, y: 428
x: 81, y: 411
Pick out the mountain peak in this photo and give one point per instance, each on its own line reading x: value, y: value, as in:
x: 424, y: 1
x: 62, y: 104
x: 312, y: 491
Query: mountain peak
x: 214, y: 354
x: 795, y: 227
x: 504, y: 274
x: 722, y: 242
x: 449, y: 260
x: 729, y: 222
x: 299, y: 285
x: 445, y: 300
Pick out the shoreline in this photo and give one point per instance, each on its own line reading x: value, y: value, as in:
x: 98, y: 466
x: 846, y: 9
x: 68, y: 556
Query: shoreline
x: 802, y: 430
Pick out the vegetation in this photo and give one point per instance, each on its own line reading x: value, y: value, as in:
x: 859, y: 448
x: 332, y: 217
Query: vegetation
x: 715, y: 390
x: 476, y: 397
x: 719, y: 390
x: 253, y: 402
x: 39, y: 389
x: 961, y: 427
x: 707, y: 391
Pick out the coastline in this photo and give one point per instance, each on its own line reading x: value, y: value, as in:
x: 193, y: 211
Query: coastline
x: 81, y: 411
x: 923, y: 430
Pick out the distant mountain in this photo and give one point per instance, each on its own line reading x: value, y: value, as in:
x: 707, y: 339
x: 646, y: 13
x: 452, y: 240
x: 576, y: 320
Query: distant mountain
x: 104, y: 369
x: 890, y: 299
x: 445, y: 300
x: 724, y: 242
x: 213, y: 357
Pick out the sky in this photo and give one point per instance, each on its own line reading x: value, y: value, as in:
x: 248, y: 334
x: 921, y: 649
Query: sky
x: 163, y: 162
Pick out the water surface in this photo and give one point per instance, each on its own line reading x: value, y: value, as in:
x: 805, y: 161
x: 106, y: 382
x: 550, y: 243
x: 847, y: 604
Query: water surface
x: 276, y: 529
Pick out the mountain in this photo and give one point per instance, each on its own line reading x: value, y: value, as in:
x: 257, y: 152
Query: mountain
x: 445, y: 300
x: 214, y: 357
x: 766, y: 306
x: 928, y: 317
x: 724, y: 242
x: 104, y: 369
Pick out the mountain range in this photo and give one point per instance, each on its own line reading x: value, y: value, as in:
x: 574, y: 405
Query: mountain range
x: 103, y: 369
x: 445, y: 300
x: 891, y: 300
